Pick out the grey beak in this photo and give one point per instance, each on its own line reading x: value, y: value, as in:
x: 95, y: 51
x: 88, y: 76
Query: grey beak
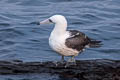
x: 45, y: 21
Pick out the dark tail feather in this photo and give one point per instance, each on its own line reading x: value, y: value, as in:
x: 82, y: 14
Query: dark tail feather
x: 95, y: 44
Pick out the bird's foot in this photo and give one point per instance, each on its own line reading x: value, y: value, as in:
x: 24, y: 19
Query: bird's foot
x: 56, y: 63
x: 70, y: 62
x: 62, y: 62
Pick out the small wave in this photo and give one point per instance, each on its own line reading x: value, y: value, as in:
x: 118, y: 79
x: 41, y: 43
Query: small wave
x: 11, y: 31
x: 91, y: 16
x: 9, y: 42
x: 81, y: 23
x: 109, y: 50
x: 4, y: 24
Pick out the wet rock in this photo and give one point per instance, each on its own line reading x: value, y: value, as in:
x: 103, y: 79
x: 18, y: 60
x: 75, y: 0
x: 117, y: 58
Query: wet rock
x: 84, y: 69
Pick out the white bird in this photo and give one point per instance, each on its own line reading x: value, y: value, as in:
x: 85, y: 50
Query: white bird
x: 67, y: 42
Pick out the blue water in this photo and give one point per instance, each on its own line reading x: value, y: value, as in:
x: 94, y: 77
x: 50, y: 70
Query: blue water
x: 99, y: 19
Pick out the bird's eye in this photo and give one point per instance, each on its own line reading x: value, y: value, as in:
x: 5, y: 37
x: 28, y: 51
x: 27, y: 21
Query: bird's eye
x: 50, y: 21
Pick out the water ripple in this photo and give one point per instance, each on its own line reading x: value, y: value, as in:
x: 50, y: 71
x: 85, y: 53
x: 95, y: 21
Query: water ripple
x: 4, y: 24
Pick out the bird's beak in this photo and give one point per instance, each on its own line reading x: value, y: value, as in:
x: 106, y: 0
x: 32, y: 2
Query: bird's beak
x: 47, y: 21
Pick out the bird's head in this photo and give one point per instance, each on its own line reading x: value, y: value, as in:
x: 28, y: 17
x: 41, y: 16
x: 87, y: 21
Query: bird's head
x: 56, y: 19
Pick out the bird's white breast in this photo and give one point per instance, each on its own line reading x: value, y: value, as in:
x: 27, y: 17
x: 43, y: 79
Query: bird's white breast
x: 57, y: 43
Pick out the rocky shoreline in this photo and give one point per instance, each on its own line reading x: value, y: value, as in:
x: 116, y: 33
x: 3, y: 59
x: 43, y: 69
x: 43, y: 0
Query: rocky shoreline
x: 101, y: 69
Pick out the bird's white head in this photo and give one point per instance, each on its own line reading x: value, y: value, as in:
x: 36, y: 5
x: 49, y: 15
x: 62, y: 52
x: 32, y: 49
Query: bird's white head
x: 56, y: 19
x: 60, y: 23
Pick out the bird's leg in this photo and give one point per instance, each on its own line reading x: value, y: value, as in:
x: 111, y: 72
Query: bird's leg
x: 72, y: 59
x: 62, y: 59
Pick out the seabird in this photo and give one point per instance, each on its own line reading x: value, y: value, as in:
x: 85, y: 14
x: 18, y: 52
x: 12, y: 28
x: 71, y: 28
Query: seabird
x: 67, y: 42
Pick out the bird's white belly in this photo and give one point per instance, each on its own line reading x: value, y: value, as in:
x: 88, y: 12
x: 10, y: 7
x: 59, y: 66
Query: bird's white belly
x: 58, y: 45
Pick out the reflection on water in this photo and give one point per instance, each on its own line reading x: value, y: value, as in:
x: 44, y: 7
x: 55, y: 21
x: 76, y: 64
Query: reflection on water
x: 99, y: 19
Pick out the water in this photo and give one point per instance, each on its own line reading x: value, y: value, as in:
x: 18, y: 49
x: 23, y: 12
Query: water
x: 99, y: 19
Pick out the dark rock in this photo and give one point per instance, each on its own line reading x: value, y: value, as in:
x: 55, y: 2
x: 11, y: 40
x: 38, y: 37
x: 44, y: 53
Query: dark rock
x: 84, y: 69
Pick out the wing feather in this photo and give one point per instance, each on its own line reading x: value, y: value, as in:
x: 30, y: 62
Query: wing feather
x: 77, y: 40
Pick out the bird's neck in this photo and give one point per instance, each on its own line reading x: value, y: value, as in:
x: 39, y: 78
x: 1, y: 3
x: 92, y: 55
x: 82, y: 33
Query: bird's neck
x: 59, y: 29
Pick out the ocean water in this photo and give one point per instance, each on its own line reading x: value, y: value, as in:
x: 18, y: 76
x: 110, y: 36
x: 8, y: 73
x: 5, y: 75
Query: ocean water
x: 99, y: 19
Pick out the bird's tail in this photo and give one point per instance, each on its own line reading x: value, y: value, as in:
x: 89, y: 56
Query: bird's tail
x: 95, y: 44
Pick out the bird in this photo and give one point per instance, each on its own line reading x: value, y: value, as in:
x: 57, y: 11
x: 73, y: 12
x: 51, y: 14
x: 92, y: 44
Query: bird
x: 68, y: 42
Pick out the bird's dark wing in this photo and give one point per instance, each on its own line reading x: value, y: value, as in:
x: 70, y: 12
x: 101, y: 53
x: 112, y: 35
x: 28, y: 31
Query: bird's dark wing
x: 77, y: 40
